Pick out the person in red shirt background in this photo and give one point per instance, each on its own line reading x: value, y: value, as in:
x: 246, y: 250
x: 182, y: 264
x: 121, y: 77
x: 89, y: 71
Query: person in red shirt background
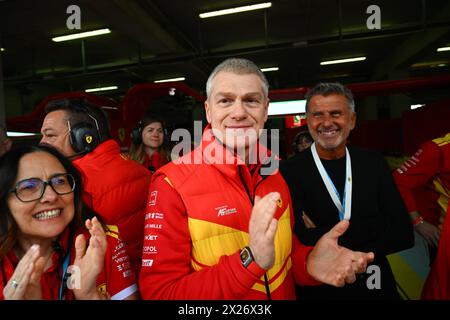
x: 42, y: 237
x: 429, y: 170
x: 149, y: 146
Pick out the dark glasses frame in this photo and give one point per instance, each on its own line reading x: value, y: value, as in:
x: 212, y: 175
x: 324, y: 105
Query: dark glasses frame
x: 70, y: 179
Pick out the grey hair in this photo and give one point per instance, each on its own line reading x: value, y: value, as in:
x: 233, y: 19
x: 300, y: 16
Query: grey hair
x: 328, y: 88
x: 238, y: 66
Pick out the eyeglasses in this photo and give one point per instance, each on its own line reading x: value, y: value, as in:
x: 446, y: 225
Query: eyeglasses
x: 33, y: 188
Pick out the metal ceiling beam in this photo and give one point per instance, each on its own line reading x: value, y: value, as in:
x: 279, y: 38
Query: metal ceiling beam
x: 144, y: 22
x: 134, y: 21
x: 194, y: 57
x: 412, y: 48
x: 199, y: 60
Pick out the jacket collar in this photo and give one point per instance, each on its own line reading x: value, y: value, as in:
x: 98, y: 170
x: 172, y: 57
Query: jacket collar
x: 103, y: 149
x: 212, y: 152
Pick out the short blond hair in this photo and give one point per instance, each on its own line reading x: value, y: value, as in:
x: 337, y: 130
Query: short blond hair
x: 238, y: 66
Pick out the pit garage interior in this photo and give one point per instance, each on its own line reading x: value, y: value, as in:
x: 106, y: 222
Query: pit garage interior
x: 401, y: 79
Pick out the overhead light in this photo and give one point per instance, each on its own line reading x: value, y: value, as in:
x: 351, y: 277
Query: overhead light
x: 280, y: 108
x: 2, y: 49
x: 21, y: 134
x: 235, y: 10
x: 415, y: 106
x: 443, y: 49
x: 342, y: 60
x: 170, y: 80
x: 101, y: 89
x: 270, y: 69
x: 109, y: 108
x: 430, y: 64
x: 81, y: 35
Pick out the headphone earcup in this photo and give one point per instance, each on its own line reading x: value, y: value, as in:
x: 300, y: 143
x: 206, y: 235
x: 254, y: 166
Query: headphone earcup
x: 84, y: 137
x: 166, y: 137
x: 136, y: 135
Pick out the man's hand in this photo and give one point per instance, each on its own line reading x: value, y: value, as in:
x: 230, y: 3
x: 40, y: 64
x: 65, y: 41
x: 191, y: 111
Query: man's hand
x: 333, y: 264
x: 262, y: 229
x: 429, y: 232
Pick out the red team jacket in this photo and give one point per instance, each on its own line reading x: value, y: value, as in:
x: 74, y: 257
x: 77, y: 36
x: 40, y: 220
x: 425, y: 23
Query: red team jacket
x: 154, y: 162
x: 431, y: 166
x: 116, y: 188
x: 116, y: 281
x: 196, y: 224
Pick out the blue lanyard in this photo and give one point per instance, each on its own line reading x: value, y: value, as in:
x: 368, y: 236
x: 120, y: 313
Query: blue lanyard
x: 341, y: 209
x: 63, y: 285
x: 344, y: 207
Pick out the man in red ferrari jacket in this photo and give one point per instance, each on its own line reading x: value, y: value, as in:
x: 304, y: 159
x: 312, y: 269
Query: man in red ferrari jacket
x: 219, y: 224
x: 430, y: 168
x: 115, y: 187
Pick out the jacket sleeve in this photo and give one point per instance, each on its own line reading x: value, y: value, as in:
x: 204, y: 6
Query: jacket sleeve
x: 166, y: 260
x: 417, y: 171
x: 299, y: 256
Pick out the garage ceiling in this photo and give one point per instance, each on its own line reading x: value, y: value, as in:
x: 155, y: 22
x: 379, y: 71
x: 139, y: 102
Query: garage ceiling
x: 155, y: 39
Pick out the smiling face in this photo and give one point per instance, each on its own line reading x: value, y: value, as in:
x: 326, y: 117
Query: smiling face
x: 153, y: 135
x: 47, y: 217
x: 236, y: 108
x: 330, y: 121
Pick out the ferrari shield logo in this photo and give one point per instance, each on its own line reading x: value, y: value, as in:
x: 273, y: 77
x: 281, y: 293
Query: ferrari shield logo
x: 89, y: 139
x: 121, y: 134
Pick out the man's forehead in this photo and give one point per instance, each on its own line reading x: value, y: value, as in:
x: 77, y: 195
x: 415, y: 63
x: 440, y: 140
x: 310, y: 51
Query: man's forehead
x: 55, y: 118
x: 226, y: 81
x: 233, y: 93
x: 333, y: 100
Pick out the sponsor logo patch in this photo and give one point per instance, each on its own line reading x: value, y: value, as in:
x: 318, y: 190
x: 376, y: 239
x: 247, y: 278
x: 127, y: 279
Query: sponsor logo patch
x: 224, y: 211
x: 147, y: 262
x: 153, y: 196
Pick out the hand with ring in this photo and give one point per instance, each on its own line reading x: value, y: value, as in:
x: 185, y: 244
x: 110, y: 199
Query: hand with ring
x: 25, y: 283
x: 14, y: 283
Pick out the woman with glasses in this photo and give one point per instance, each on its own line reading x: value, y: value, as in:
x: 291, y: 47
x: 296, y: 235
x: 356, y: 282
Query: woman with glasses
x: 49, y: 247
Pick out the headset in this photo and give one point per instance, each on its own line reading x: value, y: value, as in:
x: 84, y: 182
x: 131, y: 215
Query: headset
x: 136, y: 132
x: 84, y: 137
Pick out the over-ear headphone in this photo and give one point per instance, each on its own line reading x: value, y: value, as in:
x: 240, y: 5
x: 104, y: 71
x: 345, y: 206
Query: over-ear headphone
x: 136, y: 132
x: 84, y: 137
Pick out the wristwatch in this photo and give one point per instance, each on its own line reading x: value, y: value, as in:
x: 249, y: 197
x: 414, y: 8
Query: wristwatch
x: 246, y: 257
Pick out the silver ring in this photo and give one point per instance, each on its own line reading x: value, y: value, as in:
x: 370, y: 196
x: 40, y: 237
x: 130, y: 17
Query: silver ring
x: 14, y: 283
